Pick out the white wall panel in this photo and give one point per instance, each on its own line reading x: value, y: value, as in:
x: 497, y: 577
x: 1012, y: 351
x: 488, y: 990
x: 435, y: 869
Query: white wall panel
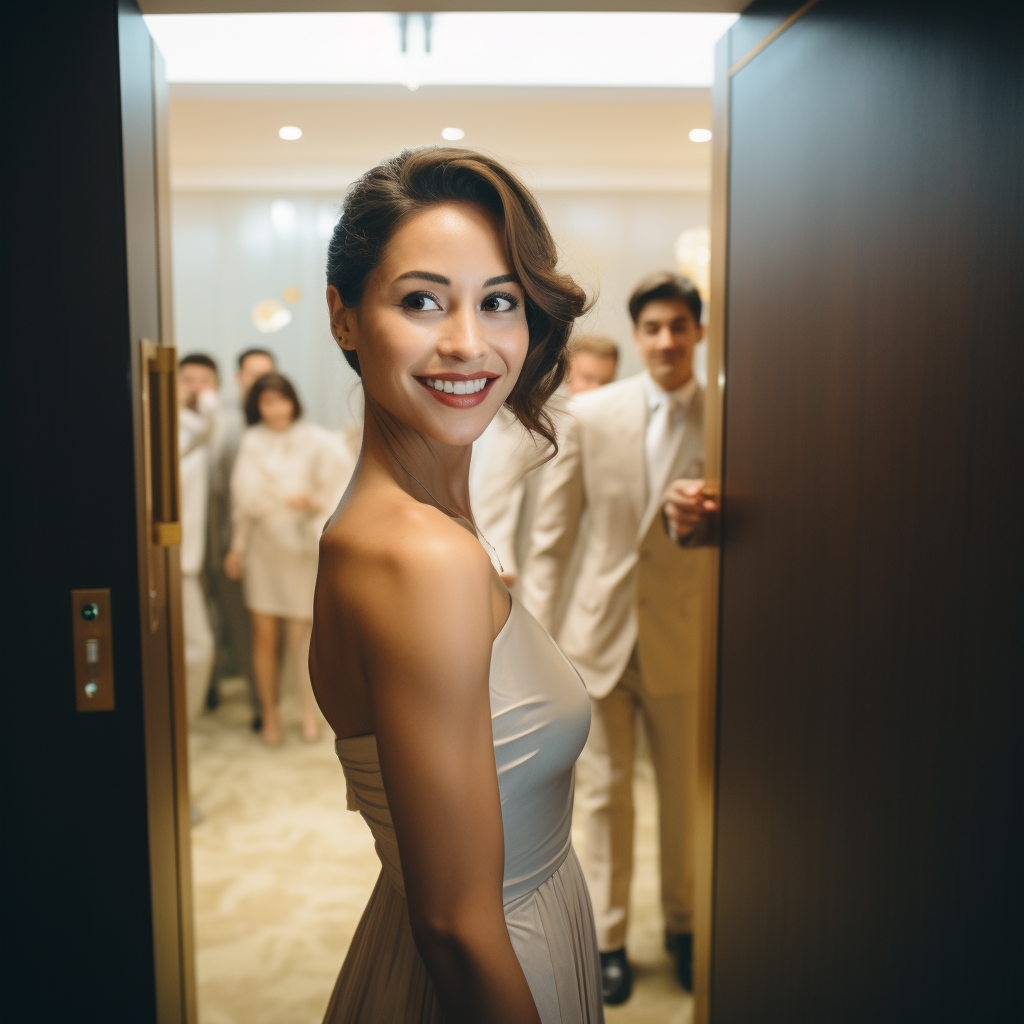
x: 230, y: 252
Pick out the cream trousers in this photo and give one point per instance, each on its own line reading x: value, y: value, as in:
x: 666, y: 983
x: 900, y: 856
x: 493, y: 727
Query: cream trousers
x: 604, y: 802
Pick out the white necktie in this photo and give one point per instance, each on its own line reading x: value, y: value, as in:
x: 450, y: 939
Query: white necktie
x: 660, y: 441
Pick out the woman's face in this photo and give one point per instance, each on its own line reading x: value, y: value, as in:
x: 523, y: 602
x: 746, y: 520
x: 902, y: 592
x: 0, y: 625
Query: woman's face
x: 276, y: 411
x: 441, y: 330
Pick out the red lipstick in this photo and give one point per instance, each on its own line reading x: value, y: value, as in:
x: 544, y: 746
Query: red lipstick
x: 463, y: 401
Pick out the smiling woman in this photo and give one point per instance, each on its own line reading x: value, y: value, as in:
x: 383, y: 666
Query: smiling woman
x: 459, y: 721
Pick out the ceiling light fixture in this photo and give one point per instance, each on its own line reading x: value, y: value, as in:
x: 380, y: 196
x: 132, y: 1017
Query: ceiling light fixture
x: 465, y: 48
x: 290, y: 133
x: 452, y: 134
x: 269, y: 316
x: 700, y: 135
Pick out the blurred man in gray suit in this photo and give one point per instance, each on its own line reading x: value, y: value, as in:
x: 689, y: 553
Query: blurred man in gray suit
x: 231, y: 617
x: 624, y: 500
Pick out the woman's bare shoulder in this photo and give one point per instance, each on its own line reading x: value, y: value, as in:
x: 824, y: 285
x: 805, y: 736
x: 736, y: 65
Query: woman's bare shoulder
x: 386, y: 551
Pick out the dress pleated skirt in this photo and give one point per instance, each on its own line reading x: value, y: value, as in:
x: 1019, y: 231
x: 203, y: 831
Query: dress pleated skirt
x: 383, y: 979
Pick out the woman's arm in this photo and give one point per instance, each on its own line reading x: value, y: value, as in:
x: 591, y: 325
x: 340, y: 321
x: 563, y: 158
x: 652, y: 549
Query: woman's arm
x: 425, y: 624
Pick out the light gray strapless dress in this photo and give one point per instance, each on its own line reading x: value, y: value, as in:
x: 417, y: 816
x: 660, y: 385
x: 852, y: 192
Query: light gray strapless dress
x: 540, y: 717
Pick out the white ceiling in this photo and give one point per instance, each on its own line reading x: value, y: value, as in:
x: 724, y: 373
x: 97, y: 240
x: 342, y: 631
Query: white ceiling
x: 226, y: 137
x: 567, y: 98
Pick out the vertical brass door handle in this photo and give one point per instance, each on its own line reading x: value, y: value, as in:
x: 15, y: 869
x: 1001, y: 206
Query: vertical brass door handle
x: 160, y: 424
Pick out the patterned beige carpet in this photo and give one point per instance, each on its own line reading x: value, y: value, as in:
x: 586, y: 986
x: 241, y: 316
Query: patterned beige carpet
x: 282, y: 872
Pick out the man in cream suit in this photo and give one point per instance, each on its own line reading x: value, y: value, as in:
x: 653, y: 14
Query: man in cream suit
x: 626, y: 491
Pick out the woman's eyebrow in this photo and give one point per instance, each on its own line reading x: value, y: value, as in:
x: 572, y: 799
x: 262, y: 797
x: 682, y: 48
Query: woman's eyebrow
x: 424, y: 275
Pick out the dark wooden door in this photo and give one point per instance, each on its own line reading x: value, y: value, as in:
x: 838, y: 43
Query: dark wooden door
x: 97, y: 904
x: 870, y: 644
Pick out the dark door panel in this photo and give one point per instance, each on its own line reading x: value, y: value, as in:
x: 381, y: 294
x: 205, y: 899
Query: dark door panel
x: 870, y: 610
x: 96, y: 896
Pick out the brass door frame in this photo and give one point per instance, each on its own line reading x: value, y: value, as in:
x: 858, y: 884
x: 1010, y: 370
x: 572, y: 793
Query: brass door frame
x: 183, y: 806
x: 155, y: 421
x: 707, y: 692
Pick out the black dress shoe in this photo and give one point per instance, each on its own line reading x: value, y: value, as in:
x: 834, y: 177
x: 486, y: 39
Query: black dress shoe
x: 680, y: 945
x: 616, y: 977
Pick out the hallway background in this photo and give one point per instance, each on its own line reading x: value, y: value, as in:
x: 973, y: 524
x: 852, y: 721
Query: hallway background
x: 613, y: 169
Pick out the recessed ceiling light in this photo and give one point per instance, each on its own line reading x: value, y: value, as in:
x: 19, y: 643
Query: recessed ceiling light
x: 700, y: 135
x: 452, y: 134
x: 290, y: 133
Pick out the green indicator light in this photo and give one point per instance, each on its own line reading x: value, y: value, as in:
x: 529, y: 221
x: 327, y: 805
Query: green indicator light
x: 90, y: 611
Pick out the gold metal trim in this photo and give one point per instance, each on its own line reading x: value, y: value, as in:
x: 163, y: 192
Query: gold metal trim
x: 167, y: 537
x: 153, y: 604
x: 771, y: 37
x: 155, y: 412
x: 707, y: 693
x: 163, y: 360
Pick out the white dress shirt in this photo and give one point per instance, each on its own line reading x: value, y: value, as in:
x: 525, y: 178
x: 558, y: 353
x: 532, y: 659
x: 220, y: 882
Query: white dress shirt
x: 666, y: 424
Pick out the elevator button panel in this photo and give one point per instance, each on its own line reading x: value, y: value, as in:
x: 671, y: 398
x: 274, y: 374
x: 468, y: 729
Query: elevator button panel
x: 94, y: 655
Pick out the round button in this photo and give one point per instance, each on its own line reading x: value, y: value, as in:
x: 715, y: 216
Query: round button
x: 90, y: 611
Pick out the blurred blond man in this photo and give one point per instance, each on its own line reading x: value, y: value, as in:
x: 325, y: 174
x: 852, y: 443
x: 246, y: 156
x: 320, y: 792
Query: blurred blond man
x: 593, y: 360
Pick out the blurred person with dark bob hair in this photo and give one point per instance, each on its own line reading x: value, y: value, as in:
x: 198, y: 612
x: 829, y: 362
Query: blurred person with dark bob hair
x: 458, y: 720
x: 287, y: 478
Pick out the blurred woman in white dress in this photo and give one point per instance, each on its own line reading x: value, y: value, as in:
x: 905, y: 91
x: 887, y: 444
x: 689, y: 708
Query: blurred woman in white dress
x: 287, y: 479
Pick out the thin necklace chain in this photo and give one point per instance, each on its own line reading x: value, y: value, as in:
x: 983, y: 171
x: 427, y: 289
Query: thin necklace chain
x: 442, y: 506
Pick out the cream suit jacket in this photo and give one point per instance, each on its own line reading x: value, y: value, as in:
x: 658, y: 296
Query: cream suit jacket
x: 504, y: 491
x: 634, y: 585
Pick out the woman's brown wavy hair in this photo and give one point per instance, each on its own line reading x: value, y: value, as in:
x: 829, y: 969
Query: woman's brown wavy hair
x: 415, y: 179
